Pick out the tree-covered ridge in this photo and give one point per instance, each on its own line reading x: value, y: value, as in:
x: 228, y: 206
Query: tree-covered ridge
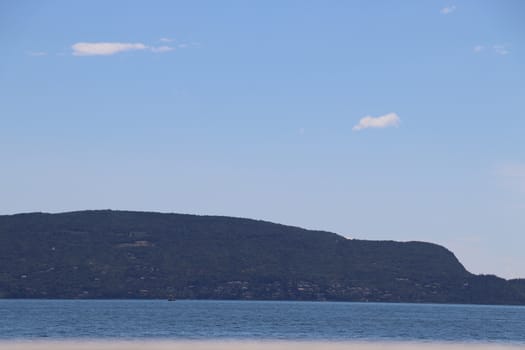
x: 120, y: 254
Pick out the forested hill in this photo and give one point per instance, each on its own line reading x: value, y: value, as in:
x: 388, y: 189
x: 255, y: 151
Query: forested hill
x: 120, y: 254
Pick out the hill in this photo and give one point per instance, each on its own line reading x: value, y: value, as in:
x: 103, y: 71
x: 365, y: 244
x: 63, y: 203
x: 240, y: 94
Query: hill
x: 120, y: 254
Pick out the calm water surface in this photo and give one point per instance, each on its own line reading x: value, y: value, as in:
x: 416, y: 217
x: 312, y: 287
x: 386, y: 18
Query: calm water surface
x: 140, y: 319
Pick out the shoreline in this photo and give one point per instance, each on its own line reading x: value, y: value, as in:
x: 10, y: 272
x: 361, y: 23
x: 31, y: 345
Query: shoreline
x: 90, y: 344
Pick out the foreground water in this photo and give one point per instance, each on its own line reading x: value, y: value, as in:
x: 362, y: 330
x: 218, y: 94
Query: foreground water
x: 258, y: 320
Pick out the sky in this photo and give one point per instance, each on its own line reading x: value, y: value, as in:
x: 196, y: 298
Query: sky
x: 391, y: 120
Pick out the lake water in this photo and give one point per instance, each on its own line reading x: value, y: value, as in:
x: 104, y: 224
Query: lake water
x: 259, y: 320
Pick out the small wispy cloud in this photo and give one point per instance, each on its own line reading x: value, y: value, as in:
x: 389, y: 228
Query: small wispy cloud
x: 479, y: 48
x: 500, y: 49
x: 37, y: 53
x: 166, y: 40
x: 104, y: 48
x: 112, y: 48
x: 161, y: 49
x: 384, y: 121
x: 447, y: 10
x: 189, y: 45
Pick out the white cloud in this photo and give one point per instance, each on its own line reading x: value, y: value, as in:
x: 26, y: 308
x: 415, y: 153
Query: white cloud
x: 104, y: 48
x: 501, y: 49
x: 189, y: 45
x: 479, y: 48
x: 37, y: 53
x: 384, y: 121
x: 166, y: 40
x: 447, y: 10
x: 497, y: 49
x: 161, y: 49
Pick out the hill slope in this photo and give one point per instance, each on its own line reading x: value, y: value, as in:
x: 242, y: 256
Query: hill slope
x: 117, y: 254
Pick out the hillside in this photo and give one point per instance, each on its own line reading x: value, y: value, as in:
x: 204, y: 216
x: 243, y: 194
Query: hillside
x: 118, y: 254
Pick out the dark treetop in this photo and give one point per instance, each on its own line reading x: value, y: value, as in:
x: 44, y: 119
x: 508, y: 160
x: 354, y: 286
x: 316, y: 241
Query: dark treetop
x: 120, y: 254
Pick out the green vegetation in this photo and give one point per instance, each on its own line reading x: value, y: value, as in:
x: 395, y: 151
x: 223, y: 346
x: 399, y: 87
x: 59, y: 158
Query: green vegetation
x: 117, y: 254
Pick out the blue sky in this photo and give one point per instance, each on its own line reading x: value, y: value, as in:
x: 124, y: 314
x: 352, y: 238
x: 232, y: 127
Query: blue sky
x: 373, y: 119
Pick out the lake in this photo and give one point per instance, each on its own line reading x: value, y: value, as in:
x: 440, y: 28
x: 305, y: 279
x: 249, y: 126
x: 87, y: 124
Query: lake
x: 259, y: 320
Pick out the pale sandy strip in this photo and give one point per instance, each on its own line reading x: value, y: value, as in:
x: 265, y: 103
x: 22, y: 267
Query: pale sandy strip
x: 241, y: 345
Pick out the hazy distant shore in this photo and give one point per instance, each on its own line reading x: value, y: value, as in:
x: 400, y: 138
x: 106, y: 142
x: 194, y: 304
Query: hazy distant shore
x: 240, y: 345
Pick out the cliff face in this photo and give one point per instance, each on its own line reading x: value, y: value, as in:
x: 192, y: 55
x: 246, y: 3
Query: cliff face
x: 115, y: 254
